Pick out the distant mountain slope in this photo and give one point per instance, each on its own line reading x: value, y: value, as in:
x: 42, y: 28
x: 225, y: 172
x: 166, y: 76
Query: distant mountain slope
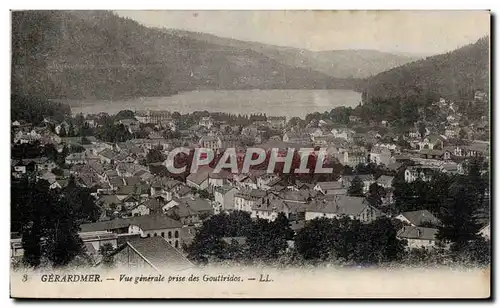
x: 96, y: 54
x: 454, y: 75
x: 335, y: 63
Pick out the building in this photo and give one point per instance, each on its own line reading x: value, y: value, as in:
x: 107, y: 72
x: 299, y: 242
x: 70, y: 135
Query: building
x: 154, y: 253
x: 297, y: 137
x: 199, y: 179
x: 367, y: 180
x: 342, y: 206
x: 353, y: 156
x: 420, y: 218
x: 418, y: 237
x: 210, y: 142
x: 380, y: 155
x: 425, y: 173
x: 208, y: 122
x: 271, y: 208
x: 485, y: 231
x: 245, y: 200
x: 277, y: 122
x: 145, y: 226
x: 385, y: 181
x: 330, y: 188
x: 224, y: 197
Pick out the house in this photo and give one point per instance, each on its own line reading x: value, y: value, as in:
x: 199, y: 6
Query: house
x: 380, y: 155
x: 94, y: 240
x: 224, y: 197
x: 266, y: 181
x: 130, y: 202
x: 58, y: 183
x: 295, y: 196
x: 110, y: 202
x: 342, y: 206
x: 244, y: 200
x: 199, y: 179
x: 419, y: 218
x: 140, y: 210
x: 132, y: 125
x: 343, y: 133
x: 201, y: 206
x: 107, y: 156
x: 297, y: 137
x: 385, y: 181
x: 330, y: 188
x: 354, y: 119
x: 452, y: 167
x: 452, y: 132
x: 418, y: 237
x: 145, y: 226
x: 183, y: 213
x: 165, y: 187
x: 367, y: 180
x: 207, y: 122
x: 219, y: 179
x: 153, y: 253
x: 425, y: 173
x: 271, y: 208
x: 210, y: 142
x: 76, y: 159
x: 277, y: 122
x: 434, y: 154
x: 431, y: 142
x: 485, y: 231
x: 245, y: 181
x: 230, y: 141
x: 129, y: 169
x: 353, y: 156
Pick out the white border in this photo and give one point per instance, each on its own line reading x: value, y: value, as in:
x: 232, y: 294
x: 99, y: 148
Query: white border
x: 185, y: 4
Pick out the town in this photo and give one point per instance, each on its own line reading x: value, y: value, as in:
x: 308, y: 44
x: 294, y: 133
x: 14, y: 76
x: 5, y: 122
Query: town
x: 394, y: 192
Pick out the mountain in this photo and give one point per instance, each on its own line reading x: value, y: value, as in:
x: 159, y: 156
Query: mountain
x: 98, y: 55
x: 335, y: 63
x: 453, y: 75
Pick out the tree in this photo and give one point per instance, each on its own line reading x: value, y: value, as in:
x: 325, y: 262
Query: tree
x: 105, y: 252
x: 375, y: 195
x: 462, y: 134
x: 47, y: 223
x: 356, y: 188
x: 62, y: 131
x: 296, y: 122
x: 459, y: 212
x: 124, y: 114
x: 268, y: 240
x: 155, y: 155
x: 62, y: 242
x: 422, y: 129
x: 315, y: 241
x: 71, y: 130
x: 378, y: 243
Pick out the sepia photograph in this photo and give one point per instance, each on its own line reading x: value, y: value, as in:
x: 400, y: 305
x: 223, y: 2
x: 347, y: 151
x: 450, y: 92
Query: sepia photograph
x: 250, y: 154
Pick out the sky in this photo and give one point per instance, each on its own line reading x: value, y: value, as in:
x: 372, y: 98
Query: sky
x: 416, y: 32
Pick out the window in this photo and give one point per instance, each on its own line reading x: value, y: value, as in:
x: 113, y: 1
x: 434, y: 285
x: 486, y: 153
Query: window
x: 176, y: 234
x: 156, y: 234
x: 176, y: 244
x: 148, y: 235
x: 163, y: 234
x: 169, y: 234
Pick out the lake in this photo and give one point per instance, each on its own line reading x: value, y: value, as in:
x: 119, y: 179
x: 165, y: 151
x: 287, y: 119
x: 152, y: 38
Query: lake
x: 289, y: 103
